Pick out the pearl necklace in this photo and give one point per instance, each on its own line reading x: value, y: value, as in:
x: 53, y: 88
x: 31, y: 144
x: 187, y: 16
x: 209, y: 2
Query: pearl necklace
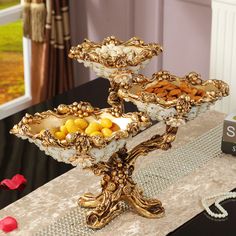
x: 220, y: 197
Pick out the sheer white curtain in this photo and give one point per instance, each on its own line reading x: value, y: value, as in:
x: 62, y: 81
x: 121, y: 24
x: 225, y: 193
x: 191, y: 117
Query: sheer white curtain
x: 223, y: 49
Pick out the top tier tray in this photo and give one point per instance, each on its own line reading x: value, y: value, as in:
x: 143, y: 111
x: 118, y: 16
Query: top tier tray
x: 112, y: 55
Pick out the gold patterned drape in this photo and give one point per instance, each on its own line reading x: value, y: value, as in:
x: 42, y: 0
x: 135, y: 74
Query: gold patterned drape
x: 47, y: 24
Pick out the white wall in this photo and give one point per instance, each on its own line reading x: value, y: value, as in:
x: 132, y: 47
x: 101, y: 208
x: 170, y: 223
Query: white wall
x: 186, y: 37
x: 148, y: 25
x: 186, y: 34
x: 223, y: 50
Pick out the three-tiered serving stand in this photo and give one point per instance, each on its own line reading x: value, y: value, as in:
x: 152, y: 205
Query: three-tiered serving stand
x: 119, y: 62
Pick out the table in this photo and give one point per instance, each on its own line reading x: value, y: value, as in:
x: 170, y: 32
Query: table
x: 18, y: 156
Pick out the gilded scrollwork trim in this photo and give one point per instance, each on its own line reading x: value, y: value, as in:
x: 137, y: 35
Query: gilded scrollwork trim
x: 81, y: 141
x: 90, y: 51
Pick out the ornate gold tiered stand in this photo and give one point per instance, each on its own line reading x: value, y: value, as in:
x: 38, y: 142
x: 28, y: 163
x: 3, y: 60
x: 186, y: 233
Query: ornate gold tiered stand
x: 119, y: 62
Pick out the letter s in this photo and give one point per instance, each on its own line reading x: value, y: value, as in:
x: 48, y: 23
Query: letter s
x: 231, y: 131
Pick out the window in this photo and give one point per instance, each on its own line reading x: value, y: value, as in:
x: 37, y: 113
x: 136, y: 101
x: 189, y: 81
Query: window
x: 14, y: 60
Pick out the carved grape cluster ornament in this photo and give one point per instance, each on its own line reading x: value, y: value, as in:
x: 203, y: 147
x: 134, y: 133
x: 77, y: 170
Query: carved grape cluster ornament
x: 82, y: 109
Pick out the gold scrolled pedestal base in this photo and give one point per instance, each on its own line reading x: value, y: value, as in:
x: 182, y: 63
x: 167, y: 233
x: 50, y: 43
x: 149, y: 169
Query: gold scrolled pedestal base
x: 117, y: 184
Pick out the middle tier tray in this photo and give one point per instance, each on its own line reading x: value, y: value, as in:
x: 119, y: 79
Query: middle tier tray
x: 166, y: 97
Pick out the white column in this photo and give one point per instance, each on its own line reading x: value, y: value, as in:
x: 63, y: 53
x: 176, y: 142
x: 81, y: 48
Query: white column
x: 223, y: 49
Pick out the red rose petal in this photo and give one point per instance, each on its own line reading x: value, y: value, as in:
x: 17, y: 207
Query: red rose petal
x: 15, y: 182
x: 8, y: 224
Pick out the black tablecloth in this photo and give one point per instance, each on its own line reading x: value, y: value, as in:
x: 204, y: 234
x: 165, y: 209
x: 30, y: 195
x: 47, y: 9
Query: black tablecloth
x: 204, y: 225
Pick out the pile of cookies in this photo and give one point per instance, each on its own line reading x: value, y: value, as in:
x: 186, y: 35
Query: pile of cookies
x: 169, y: 91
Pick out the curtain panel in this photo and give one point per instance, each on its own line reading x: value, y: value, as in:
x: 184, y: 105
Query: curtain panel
x: 47, y: 24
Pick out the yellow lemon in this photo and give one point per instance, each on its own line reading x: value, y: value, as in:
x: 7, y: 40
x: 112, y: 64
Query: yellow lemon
x: 88, y: 130
x: 60, y: 135
x: 106, y: 123
x: 81, y: 123
x: 69, y: 122
x: 70, y: 126
x: 92, y: 127
x: 96, y: 133
x: 115, y: 127
x: 95, y: 126
x: 63, y: 129
x: 106, y: 132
